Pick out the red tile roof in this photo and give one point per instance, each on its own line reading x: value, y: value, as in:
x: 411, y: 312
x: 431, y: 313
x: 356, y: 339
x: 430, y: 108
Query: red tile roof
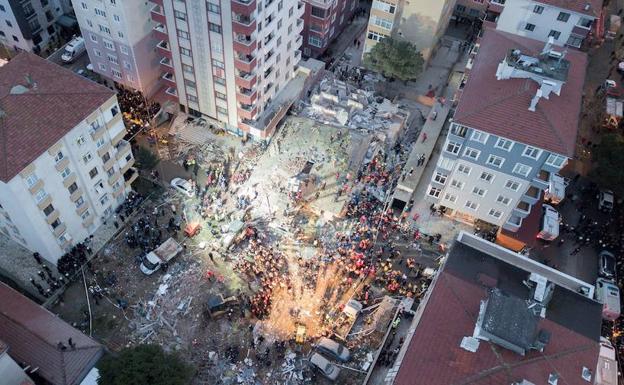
x: 434, y: 355
x: 33, y: 333
x: 33, y: 121
x: 501, y: 107
x: 595, y: 6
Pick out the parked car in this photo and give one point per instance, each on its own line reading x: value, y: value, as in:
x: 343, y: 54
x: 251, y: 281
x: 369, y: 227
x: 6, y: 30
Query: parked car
x: 606, y: 265
x: 183, y: 186
x: 605, y: 200
x: 328, y: 369
x: 333, y: 349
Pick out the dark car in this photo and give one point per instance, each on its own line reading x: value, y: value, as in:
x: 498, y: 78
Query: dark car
x: 606, y: 265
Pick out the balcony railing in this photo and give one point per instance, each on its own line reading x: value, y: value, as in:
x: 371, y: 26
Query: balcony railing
x: 166, y: 62
x: 169, y: 77
x: 172, y: 91
x: 163, y: 45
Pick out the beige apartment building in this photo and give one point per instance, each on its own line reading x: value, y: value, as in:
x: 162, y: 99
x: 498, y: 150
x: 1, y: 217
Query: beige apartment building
x: 422, y: 22
x: 64, y: 166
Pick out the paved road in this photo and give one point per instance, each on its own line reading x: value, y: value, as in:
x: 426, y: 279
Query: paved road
x: 80, y: 64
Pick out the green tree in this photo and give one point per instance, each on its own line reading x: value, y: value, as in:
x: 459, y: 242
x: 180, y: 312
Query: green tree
x: 395, y: 59
x: 608, y: 160
x: 144, y: 364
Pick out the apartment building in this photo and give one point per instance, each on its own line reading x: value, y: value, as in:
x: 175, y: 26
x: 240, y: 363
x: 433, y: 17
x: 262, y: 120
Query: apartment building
x: 120, y: 42
x: 30, y: 25
x: 471, y: 9
x: 323, y: 21
x: 65, y: 168
x: 231, y: 61
x: 567, y: 22
x: 422, y: 22
x: 514, y: 127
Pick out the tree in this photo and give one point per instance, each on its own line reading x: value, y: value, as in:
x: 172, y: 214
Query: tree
x: 395, y: 59
x: 146, y: 160
x: 144, y: 364
x: 608, y: 160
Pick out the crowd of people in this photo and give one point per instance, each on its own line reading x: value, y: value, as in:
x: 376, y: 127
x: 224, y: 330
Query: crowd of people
x: 137, y: 111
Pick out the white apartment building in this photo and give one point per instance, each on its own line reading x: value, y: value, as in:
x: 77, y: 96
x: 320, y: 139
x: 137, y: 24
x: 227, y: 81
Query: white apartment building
x: 231, y: 60
x: 515, y: 127
x: 120, y: 42
x: 568, y: 22
x: 64, y: 166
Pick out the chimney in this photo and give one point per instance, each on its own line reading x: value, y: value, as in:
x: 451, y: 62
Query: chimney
x: 535, y: 99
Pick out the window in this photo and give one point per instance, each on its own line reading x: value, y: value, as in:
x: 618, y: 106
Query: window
x: 108, y: 44
x: 80, y: 140
x: 79, y: 202
x: 4, y: 9
x: 584, y: 22
x: 555, y: 160
x: 495, y: 161
x: 503, y: 200
x: 479, y: 136
x: 40, y: 195
x: 217, y: 63
x: 66, y: 172
x: 450, y: 197
x: 86, y: 158
x: 182, y: 34
x: 48, y: 210
x: 563, y: 16
x: 472, y: 153
x: 99, y: 143
x: 219, y: 80
x: 104, y: 29
x: 72, y: 187
x: 59, y: 156
x: 106, y: 157
x: 104, y: 199
x: 554, y: 34
x: 93, y: 37
x: 9, y: 23
x: 98, y: 54
x: 495, y: 213
x: 31, y: 180
x: 179, y: 15
x: 214, y: 27
x: 522, y: 169
x: 185, y: 52
x: 457, y: 184
x: 471, y: 205
x: 116, y: 18
x: 102, y: 66
x: 84, y: 6
x: 440, y: 178
x: 538, y: 9
x: 385, y: 7
x: 111, y: 171
x: 222, y: 110
x: 504, y: 144
x: 529, y: 27
x: 459, y: 130
x: 318, y: 12
x: 192, y: 99
x: 464, y: 169
x: 315, y: 41
x: 459, y: 8
x: 189, y: 83
x: 90, y: 23
x: 220, y: 95
x: 120, y: 34
x: 99, y: 12
x: 112, y: 59
x: 214, y: 8
x: 85, y: 215
x: 531, y: 152
x: 56, y: 223
x: 479, y: 191
x: 372, y: 35
x: 116, y: 73
x: 93, y: 172
x: 486, y: 176
x: 512, y: 185
x: 434, y: 192
x: 114, y: 110
x: 381, y: 22
x: 15, y: 38
x: 445, y: 163
x: 453, y: 147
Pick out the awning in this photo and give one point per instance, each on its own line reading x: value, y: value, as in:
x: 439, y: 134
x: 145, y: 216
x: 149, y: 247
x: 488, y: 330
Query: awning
x: 67, y: 21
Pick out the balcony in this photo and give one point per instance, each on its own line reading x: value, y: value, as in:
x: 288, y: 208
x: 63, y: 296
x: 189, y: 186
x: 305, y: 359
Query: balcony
x: 158, y: 2
x: 532, y: 195
x: 158, y: 15
x: 166, y: 63
x: 160, y: 32
x: 243, y: 7
x: 244, y: 25
x: 268, y: 56
x: 123, y: 148
x: 164, y: 49
x: 172, y: 91
x: 245, y: 80
x: 245, y: 45
x: 247, y: 111
x: 59, y: 230
x: 246, y: 96
x: 168, y: 76
x: 246, y: 63
x: 97, y: 131
x: 130, y: 175
x: 127, y: 166
x: 542, y: 180
x: 268, y: 71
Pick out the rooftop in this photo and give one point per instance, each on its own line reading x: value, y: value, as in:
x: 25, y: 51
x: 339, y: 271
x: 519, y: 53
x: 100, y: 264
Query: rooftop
x: 501, y: 107
x: 571, y: 328
x: 586, y: 7
x: 40, y: 102
x: 33, y: 335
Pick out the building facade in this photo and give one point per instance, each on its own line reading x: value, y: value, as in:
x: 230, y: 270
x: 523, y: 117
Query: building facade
x: 568, y: 23
x: 471, y: 9
x: 514, y: 127
x: 323, y: 22
x: 422, y: 22
x: 120, y: 42
x: 230, y: 60
x: 56, y: 189
x: 30, y: 25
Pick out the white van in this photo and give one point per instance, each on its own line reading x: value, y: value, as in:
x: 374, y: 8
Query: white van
x: 608, y: 294
x: 549, y: 226
x: 73, y: 49
x: 607, y: 368
x: 556, y: 189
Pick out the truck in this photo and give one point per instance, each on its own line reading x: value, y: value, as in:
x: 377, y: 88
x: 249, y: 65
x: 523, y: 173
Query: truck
x: 549, y: 225
x: 555, y: 192
x: 73, y: 49
x: 607, y: 368
x: 164, y: 253
x: 346, y: 319
x: 608, y: 294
